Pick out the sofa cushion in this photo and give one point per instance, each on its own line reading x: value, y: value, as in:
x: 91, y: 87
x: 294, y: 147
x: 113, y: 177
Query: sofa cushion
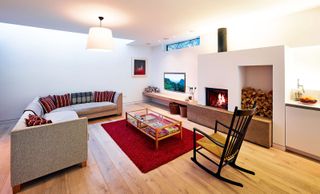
x: 81, y: 97
x: 47, y: 104
x: 66, y: 108
x: 35, y: 107
x: 34, y: 120
x: 93, y: 107
x: 61, y: 116
x: 104, y: 96
x: 62, y: 100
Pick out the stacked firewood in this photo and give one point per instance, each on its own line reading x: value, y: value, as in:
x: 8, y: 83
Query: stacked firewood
x: 263, y: 99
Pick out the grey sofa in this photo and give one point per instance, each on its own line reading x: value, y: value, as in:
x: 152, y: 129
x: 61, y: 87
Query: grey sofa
x: 40, y: 150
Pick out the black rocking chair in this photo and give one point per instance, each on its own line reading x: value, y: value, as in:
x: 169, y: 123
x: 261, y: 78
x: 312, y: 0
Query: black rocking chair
x: 226, y: 148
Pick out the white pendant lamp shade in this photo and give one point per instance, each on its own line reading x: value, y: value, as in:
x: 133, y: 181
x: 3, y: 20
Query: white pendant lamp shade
x: 100, y: 38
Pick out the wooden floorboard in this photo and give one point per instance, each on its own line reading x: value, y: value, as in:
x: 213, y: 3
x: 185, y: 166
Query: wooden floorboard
x: 109, y: 170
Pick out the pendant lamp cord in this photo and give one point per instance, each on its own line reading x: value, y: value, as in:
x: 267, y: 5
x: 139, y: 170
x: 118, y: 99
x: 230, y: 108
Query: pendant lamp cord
x: 100, y: 18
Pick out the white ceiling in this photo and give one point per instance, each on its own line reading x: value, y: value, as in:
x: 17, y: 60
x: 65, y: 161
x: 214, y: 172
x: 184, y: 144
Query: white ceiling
x: 145, y: 21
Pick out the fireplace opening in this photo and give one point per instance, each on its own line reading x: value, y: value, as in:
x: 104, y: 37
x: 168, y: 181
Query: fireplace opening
x: 217, y: 98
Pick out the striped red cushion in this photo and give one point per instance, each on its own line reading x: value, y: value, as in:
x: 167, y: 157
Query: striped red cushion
x: 62, y: 100
x: 104, y: 96
x: 47, y: 104
x: 109, y: 96
x: 34, y: 120
x: 97, y: 96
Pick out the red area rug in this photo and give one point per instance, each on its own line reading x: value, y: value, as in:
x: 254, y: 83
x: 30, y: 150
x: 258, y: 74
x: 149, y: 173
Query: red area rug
x: 141, y: 149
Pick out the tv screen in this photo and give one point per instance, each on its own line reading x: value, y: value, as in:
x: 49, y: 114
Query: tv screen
x: 175, y: 82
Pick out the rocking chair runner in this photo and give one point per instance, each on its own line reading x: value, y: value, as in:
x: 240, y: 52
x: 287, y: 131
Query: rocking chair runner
x: 226, y: 148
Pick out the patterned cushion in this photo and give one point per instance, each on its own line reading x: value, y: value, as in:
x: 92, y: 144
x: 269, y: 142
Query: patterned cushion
x: 104, y: 96
x: 172, y: 129
x: 81, y: 97
x: 163, y: 132
x: 34, y: 120
x: 152, y: 132
x: 62, y: 100
x: 47, y: 104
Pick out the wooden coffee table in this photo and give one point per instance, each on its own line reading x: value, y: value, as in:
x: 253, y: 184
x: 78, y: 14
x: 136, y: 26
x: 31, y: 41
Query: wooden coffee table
x: 154, y: 124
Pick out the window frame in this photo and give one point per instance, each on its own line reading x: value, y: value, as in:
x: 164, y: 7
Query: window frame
x: 183, y: 44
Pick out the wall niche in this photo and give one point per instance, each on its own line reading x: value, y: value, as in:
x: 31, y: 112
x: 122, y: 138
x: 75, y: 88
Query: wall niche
x: 256, y: 84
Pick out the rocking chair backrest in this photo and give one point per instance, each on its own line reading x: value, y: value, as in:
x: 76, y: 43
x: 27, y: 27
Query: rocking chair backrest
x: 237, y: 131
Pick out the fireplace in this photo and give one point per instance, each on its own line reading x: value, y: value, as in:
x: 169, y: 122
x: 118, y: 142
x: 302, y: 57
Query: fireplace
x: 216, y: 97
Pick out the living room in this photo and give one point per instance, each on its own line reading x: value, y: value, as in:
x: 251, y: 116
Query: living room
x: 243, y: 51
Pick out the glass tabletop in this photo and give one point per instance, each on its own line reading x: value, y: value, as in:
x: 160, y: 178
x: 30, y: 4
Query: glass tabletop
x: 152, y: 118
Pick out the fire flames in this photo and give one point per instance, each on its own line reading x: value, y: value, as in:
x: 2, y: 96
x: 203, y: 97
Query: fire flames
x: 221, y: 100
x: 217, y: 98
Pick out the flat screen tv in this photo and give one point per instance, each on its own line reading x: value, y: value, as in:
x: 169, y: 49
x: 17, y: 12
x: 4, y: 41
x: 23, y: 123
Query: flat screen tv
x: 175, y: 82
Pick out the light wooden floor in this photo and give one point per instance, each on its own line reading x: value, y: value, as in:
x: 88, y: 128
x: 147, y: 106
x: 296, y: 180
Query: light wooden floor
x: 109, y: 170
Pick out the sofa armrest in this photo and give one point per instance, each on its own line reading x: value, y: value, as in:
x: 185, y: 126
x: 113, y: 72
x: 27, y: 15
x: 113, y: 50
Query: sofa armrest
x: 119, y: 101
x: 39, y: 150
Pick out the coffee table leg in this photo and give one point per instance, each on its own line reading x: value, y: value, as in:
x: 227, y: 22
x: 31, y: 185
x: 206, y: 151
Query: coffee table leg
x: 126, y: 119
x: 157, y: 135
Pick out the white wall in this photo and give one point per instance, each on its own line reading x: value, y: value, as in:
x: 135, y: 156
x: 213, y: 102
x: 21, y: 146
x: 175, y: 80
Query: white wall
x: 303, y: 63
x: 229, y: 77
x: 63, y: 65
x: 258, y: 77
x: 182, y: 60
x: 36, y: 61
x: 295, y: 30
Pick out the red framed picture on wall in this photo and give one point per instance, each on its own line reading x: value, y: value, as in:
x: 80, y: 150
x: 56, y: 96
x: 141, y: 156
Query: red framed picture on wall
x: 139, y: 67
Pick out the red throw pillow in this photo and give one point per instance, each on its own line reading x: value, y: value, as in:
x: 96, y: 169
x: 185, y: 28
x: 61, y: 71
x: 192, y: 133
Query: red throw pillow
x: 34, y: 120
x: 98, y: 96
x: 47, y: 104
x: 104, y: 96
x: 110, y: 96
x: 62, y: 100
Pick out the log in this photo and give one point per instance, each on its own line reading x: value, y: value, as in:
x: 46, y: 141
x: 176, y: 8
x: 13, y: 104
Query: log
x: 262, y: 98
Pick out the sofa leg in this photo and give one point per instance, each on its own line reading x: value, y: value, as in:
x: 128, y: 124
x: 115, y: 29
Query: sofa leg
x: 16, y: 189
x: 83, y: 164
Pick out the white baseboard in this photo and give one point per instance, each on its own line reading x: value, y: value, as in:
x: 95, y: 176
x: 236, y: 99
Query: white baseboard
x: 303, y: 153
x: 279, y: 147
x: 135, y: 102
